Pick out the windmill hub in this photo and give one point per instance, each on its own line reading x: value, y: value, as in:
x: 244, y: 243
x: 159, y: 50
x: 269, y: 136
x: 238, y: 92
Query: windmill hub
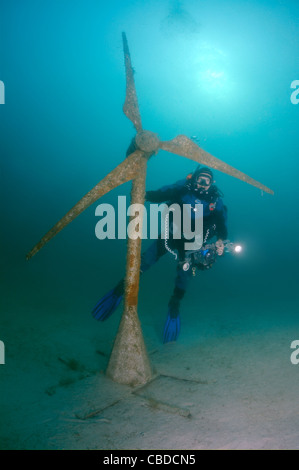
x: 147, y: 141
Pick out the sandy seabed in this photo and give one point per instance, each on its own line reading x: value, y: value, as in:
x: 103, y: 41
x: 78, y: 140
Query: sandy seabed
x: 225, y: 384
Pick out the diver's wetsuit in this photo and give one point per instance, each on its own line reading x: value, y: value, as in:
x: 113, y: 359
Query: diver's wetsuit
x: 214, y: 224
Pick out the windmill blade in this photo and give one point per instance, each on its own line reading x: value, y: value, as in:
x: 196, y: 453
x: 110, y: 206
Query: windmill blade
x: 130, y: 108
x: 182, y: 145
x: 126, y: 171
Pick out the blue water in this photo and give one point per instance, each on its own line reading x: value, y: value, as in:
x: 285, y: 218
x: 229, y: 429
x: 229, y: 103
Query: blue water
x: 219, y: 70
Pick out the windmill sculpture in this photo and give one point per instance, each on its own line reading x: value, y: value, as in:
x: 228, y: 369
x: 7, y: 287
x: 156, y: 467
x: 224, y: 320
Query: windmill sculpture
x: 129, y: 362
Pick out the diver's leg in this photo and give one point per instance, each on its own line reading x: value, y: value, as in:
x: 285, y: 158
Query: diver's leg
x: 173, y: 324
x: 152, y: 255
x: 181, y: 282
x: 109, y: 302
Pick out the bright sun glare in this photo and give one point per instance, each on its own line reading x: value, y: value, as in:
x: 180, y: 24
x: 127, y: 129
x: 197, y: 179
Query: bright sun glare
x: 212, y: 71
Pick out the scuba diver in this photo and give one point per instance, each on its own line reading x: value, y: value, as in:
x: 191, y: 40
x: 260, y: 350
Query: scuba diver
x: 197, y: 188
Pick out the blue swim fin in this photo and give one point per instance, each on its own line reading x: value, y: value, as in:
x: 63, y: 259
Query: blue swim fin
x: 109, y: 303
x: 171, y: 329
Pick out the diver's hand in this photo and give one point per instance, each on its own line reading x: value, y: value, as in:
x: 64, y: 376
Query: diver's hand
x: 220, y: 247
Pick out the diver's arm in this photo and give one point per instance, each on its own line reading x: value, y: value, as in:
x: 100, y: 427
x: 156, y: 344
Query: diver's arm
x: 166, y: 193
